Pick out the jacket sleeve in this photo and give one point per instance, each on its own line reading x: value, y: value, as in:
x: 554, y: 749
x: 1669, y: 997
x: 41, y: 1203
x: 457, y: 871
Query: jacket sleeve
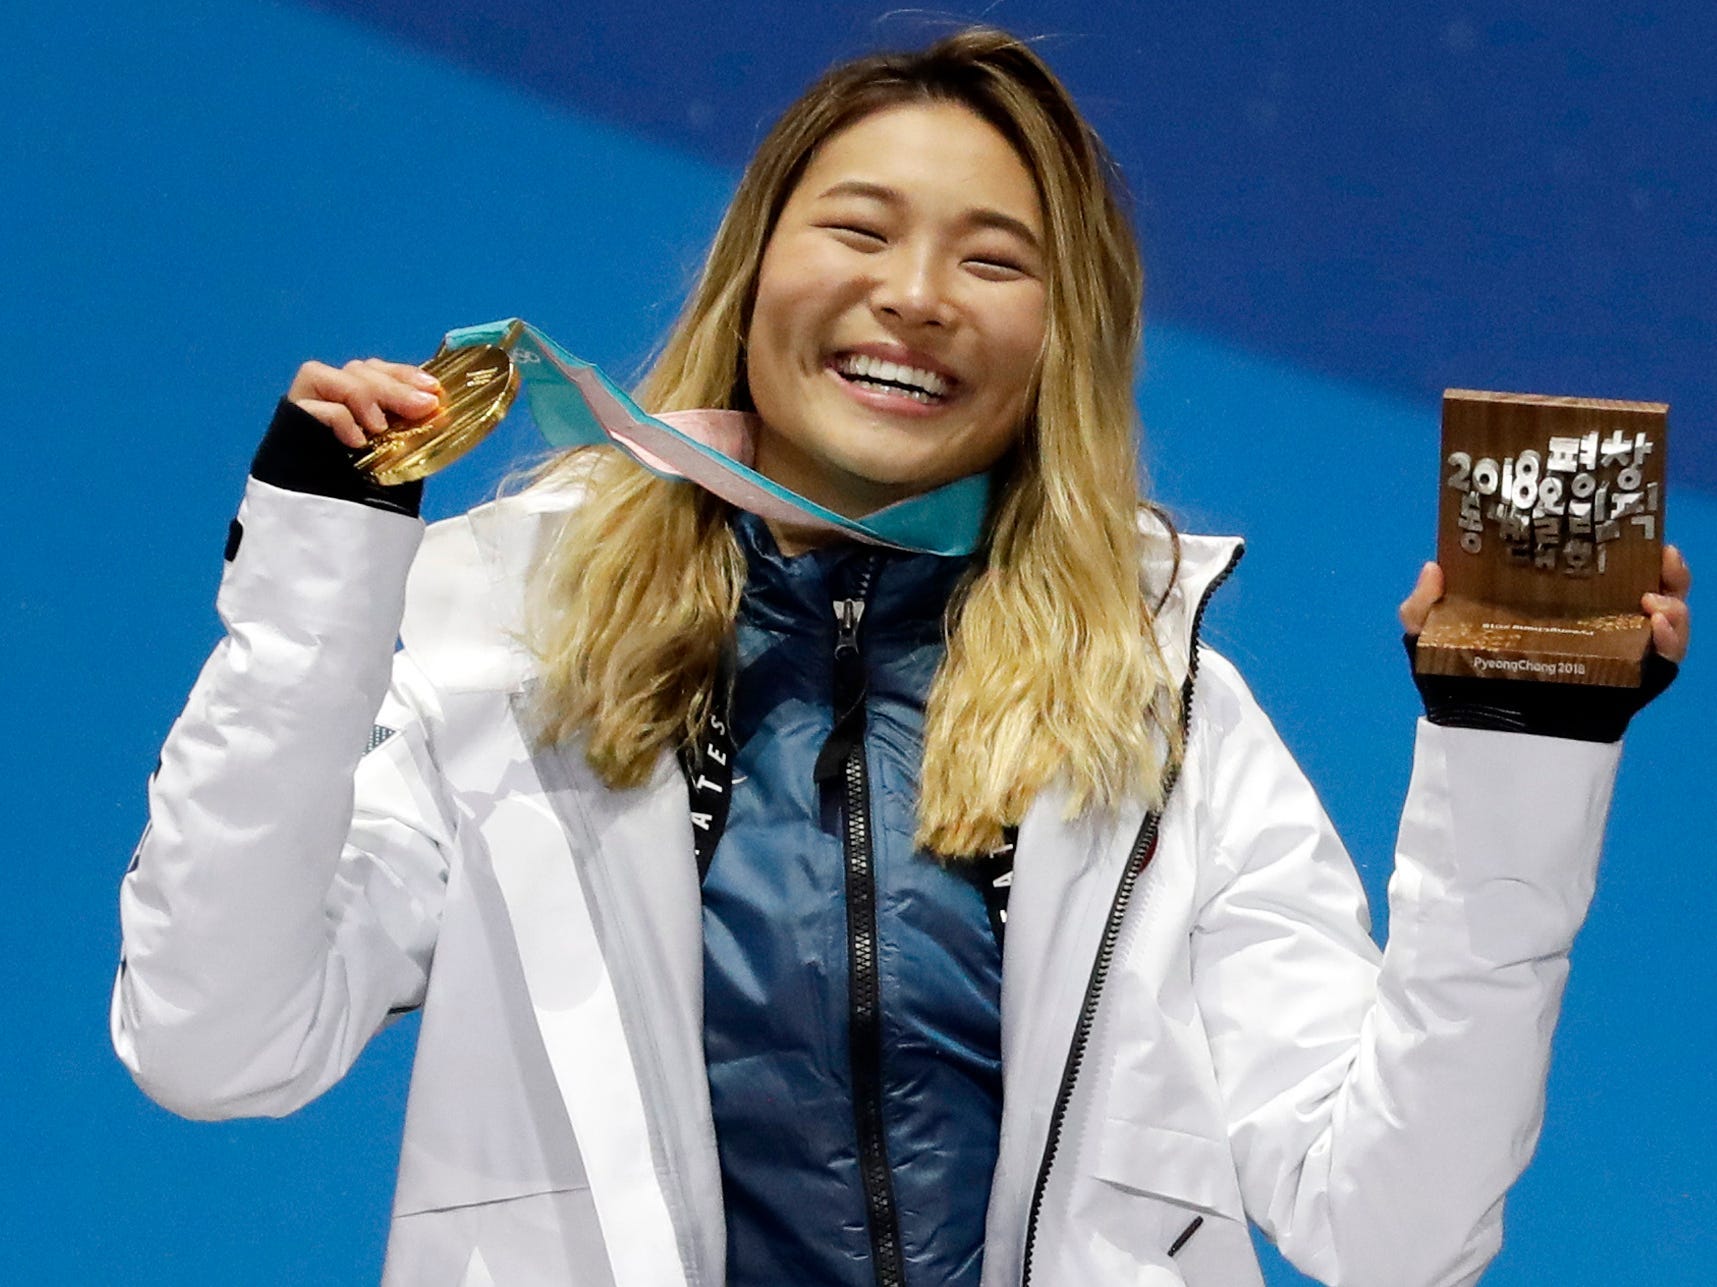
x: 1380, y: 1107
x: 285, y: 896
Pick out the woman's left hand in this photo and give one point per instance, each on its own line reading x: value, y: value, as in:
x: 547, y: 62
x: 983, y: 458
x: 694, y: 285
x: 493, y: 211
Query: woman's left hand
x: 1671, y: 626
x: 1417, y: 606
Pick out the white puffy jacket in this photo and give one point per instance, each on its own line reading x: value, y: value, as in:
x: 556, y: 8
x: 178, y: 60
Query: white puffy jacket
x: 1241, y: 1047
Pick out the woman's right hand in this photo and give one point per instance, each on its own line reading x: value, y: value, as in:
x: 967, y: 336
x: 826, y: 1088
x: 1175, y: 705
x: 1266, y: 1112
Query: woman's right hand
x: 354, y: 400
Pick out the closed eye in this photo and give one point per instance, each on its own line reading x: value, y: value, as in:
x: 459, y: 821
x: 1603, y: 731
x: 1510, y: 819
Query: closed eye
x: 997, y: 268
x: 858, y: 235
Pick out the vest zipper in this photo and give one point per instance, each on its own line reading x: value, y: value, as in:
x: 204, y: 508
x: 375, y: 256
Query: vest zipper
x: 843, y: 755
x: 1144, y: 849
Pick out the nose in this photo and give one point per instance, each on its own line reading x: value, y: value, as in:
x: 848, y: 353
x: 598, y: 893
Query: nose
x: 912, y: 288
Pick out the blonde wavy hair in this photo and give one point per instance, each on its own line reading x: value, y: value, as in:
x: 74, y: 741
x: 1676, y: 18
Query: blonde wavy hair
x: 1052, y: 672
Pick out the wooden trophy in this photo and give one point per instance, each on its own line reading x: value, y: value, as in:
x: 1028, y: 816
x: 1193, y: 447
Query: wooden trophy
x: 1549, y: 530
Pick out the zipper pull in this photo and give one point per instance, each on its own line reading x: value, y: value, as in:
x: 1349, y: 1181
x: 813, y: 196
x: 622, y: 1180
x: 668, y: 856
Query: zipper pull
x: 848, y: 729
x: 848, y: 614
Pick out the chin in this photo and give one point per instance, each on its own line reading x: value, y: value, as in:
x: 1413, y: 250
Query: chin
x: 893, y: 478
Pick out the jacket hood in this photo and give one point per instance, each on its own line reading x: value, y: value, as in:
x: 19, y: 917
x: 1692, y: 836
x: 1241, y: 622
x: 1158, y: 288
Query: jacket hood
x: 465, y: 598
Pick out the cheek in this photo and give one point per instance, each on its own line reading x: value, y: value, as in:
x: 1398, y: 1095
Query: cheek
x: 796, y: 286
x: 1024, y: 324
x: 1019, y: 344
x: 768, y: 338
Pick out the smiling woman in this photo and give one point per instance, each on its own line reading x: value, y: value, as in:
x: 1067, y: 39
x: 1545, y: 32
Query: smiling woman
x: 949, y: 212
x: 693, y: 835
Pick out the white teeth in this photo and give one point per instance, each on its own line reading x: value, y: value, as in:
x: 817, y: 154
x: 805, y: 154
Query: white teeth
x: 922, y: 385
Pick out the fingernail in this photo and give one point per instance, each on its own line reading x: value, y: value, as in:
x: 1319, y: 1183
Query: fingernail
x: 425, y: 380
x: 417, y: 398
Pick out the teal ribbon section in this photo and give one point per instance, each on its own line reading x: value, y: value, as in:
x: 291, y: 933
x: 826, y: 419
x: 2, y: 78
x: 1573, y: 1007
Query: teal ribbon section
x: 948, y: 521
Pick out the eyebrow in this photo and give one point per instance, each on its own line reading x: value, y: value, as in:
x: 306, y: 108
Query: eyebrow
x: 980, y: 216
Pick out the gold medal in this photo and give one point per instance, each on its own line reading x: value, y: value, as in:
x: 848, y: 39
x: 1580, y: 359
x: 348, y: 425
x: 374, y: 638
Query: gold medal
x: 478, y: 385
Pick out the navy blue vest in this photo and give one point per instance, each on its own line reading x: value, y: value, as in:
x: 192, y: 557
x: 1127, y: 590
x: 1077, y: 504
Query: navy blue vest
x: 779, y: 1002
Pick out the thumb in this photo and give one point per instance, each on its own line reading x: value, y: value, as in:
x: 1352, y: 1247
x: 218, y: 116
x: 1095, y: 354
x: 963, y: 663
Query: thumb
x: 1417, y: 606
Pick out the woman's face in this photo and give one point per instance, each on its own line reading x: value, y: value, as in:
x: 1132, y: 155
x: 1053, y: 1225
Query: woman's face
x: 899, y: 315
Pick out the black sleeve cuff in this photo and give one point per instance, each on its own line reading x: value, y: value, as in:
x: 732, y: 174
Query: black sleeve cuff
x: 1583, y: 712
x: 301, y: 454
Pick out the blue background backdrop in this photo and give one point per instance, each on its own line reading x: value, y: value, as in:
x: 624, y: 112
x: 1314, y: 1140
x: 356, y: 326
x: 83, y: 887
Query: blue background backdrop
x: 1345, y: 208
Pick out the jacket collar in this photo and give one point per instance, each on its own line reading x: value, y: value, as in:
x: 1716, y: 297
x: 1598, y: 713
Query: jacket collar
x: 908, y: 592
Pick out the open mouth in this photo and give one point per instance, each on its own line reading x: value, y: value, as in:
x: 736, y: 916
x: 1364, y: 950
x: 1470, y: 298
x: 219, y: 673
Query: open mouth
x: 882, y: 376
